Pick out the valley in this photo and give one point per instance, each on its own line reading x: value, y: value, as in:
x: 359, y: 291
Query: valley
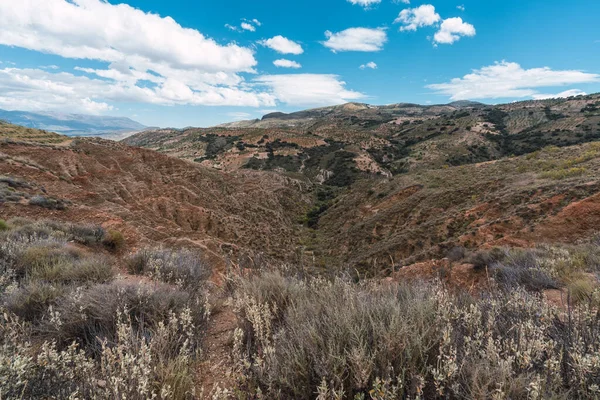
x: 221, y: 251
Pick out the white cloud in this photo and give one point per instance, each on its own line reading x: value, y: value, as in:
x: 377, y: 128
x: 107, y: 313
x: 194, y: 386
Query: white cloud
x: 283, y: 63
x: 452, y: 29
x: 566, y: 93
x: 182, y: 65
x: 506, y: 79
x: 282, y: 45
x: 356, y: 39
x: 413, y: 18
x: 371, y: 65
x: 239, y: 116
x: 98, y: 30
x: 247, y: 27
x: 37, y: 89
x: 308, y: 89
x: 461, y: 7
x: 144, y: 58
x: 365, y: 3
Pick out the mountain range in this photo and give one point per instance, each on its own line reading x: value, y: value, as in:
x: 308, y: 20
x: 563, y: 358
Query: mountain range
x: 74, y: 124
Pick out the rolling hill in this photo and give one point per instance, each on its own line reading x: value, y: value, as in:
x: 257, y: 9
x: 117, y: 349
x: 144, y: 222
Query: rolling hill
x: 385, y: 140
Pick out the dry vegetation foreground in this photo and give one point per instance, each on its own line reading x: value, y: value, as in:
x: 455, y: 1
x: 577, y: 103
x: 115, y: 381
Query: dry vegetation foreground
x: 84, y: 318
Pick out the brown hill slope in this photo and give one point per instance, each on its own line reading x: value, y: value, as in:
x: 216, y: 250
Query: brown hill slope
x: 151, y: 197
x: 547, y: 196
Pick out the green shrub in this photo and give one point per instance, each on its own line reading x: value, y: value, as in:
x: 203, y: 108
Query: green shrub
x: 114, y: 240
x: 563, y: 173
x: 4, y: 225
x: 581, y: 289
x: 57, y: 262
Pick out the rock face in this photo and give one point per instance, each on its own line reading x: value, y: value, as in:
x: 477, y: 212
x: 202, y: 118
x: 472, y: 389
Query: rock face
x: 153, y: 198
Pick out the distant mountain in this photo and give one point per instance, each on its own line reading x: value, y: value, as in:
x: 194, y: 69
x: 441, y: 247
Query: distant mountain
x: 343, y: 143
x: 74, y: 124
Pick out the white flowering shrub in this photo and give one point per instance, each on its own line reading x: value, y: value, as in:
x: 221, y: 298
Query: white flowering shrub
x: 68, y: 330
x: 338, y: 340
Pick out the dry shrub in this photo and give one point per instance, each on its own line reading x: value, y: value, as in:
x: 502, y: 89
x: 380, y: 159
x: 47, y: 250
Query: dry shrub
x: 58, y: 262
x: 342, y: 340
x: 26, y: 230
x: 185, y: 268
x: 31, y: 301
x: 65, y: 332
x: 48, y: 202
x: 132, y: 366
x: 89, y: 316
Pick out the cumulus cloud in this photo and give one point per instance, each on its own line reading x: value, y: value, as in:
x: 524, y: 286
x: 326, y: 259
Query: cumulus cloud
x: 509, y: 80
x: 142, y: 58
x: 461, y: 7
x: 308, y: 89
x: 370, y: 65
x: 452, y: 29
x: 247, y: 26
x: 98, y: 30
x: 37, y: 89
x: 365, y: 3
x: 356, y: 39
x: 414, y: 18
x: 283, y: 63
x: 282, y: 45
x: 181, y: 65
x: 566, y: 93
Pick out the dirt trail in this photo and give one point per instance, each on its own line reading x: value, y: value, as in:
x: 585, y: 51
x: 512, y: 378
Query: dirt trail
x: 217, y: 371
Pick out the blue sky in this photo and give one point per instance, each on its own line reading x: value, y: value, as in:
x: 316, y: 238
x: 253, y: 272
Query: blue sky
x: 181, y: 63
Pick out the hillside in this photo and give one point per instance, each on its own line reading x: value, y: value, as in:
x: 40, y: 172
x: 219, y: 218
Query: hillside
x: 548, y: 196
x: 382, y: 140
x: 148, y: 196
